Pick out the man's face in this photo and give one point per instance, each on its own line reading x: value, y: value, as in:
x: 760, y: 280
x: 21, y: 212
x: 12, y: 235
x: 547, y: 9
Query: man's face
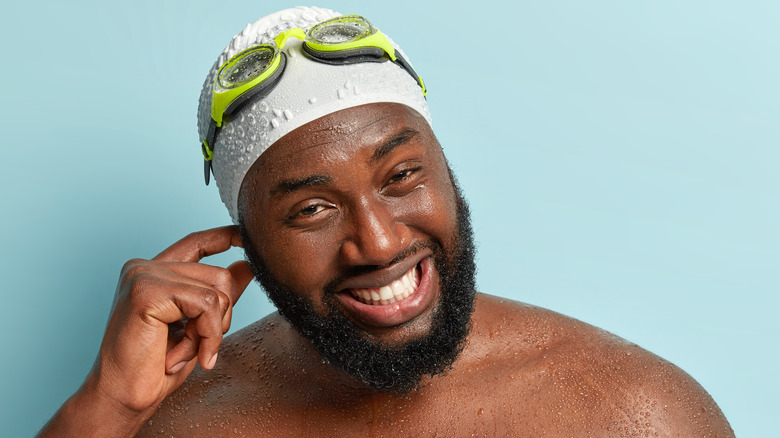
x: 358, y: 234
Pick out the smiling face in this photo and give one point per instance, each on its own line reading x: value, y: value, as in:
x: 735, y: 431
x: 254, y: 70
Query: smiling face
x: 359, y: 235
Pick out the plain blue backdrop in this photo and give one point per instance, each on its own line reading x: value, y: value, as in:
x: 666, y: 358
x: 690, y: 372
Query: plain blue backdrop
x: 621, y: 159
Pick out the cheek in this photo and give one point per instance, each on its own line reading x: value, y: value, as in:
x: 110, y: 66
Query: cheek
x: 296, y: 259
x: 302, y: 261
x: 432, y: 210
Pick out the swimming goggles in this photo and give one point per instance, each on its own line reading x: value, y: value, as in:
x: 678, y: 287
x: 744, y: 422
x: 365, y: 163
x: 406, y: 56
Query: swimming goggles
x: 254, y: 72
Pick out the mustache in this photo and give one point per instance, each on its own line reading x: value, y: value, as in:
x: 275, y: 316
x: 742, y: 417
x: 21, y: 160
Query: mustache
x: 354, y: 271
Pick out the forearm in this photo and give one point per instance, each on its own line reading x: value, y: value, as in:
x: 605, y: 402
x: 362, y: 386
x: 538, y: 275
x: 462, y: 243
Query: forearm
x: 88, y: 414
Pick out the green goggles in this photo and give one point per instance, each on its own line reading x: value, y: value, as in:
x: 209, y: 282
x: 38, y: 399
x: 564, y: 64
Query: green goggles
x: 254, y: 72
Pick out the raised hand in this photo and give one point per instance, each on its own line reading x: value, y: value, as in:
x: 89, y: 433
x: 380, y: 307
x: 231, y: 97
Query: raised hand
x: 169, y: 313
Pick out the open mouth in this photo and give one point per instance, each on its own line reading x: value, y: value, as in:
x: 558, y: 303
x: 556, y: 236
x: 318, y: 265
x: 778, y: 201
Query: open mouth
x: 398, y: 295
x: 397, y: 290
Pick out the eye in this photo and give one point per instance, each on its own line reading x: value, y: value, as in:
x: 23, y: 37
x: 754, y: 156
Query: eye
x: 404, y: 180
x: 404, y: 175
x: 309, y: 211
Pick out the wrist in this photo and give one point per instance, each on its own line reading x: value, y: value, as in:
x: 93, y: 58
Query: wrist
x: 91, y: 413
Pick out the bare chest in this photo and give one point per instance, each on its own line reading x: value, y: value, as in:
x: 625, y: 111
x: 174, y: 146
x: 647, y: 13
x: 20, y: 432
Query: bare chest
x: 479, y: 405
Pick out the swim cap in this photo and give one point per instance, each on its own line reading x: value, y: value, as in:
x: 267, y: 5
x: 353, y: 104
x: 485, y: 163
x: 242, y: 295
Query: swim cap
x: 307, y: 90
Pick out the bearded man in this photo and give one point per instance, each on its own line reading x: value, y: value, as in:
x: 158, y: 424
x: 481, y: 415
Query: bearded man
x: 318, y: 134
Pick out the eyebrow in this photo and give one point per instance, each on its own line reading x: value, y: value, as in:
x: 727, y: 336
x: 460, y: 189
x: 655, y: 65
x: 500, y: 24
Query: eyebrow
x: 290, y: 185
x: 399, y: 139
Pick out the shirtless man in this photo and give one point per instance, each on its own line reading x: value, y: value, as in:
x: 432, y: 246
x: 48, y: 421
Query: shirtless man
x: 355, y: 227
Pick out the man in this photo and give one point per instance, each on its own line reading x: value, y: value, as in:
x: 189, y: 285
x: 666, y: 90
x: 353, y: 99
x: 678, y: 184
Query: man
x: 353, y: 223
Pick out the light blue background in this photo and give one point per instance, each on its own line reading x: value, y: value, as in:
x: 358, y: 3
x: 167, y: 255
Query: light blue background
x: 621, y: 158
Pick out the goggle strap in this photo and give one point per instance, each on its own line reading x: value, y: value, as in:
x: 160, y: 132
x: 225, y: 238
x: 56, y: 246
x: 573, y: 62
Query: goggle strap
x: 207, y: 171
x: 403, y: 63
x: 206, y: 146
x: 208, y: 142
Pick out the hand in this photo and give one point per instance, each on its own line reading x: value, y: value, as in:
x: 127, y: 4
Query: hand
x: 169, y: 313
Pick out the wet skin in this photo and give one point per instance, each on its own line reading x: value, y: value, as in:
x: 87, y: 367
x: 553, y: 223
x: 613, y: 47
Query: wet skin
x: 525, y: 372
x: 343, y: 203
x: 322, y: 203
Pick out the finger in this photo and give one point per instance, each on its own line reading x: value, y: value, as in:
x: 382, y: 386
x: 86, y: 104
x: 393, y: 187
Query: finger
x: 201, y: 244
x: 231, y: 280
x: 241, y: 274
x: 176, y: 333
x: 184, y: 351
x: 182, y: 300
x: 227, y: 318
x: 205, y: 308
x: 209, y: 342
x: 218, y: 279
x: 206, y: 313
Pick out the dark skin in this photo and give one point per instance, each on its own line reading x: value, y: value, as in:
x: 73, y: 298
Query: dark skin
x: 319, y: 203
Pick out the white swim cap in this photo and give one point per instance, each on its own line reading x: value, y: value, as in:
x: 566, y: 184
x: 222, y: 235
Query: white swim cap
x: 307, y: 90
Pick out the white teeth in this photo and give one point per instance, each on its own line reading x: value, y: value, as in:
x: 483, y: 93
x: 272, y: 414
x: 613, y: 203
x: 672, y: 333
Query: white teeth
x: 391, y: 293
x: 398, y: 288
x: 385, y: 292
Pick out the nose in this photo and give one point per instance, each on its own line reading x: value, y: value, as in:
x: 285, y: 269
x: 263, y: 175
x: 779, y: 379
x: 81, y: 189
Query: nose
x: 376, y: 235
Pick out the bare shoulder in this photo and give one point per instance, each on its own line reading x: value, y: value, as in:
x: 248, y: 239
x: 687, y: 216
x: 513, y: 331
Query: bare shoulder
x: 587, y: 377
x: 246, y: 376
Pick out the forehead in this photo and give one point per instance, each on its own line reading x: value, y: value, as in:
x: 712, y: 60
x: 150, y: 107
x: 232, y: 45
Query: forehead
x: 334, y: 137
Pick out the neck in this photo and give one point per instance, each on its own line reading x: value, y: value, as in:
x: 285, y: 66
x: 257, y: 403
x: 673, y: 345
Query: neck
x: 326, y: 383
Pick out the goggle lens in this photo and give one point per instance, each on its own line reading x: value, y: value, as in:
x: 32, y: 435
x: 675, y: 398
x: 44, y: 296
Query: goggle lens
x: 341, y: 40
x: 250, y: 66
x: 341, y: 30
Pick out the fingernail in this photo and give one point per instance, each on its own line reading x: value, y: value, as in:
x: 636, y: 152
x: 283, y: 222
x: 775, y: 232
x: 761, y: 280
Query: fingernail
x: 175, y: 369
x: 213, y: 361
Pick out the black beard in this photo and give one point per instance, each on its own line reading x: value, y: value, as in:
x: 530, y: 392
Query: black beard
x: 396, y: 368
